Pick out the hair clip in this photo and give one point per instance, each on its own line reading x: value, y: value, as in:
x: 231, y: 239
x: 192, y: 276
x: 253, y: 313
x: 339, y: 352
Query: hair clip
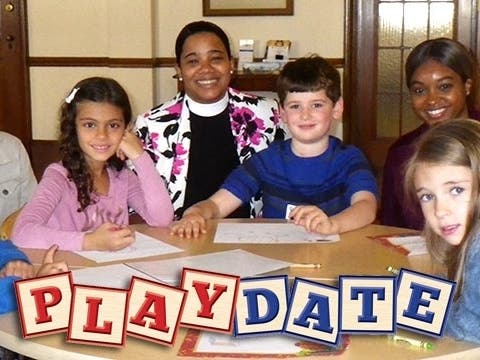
x: 70, y: 97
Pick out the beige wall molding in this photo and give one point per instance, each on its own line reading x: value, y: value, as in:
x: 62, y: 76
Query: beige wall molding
x: 159, y: 62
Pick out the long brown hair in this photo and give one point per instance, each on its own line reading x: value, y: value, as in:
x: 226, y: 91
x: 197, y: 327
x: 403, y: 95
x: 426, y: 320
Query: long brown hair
x: 454, y: 143
x: 97, y: 89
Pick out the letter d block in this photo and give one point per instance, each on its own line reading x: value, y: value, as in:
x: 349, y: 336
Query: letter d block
x: 44, y: 304
x: 367, y: 304
x: 210, y: 302
x: 423, y: 302
x: 98, y: 316
x: 262, y: 305
x: 313, y: 313
x: 154, y: 311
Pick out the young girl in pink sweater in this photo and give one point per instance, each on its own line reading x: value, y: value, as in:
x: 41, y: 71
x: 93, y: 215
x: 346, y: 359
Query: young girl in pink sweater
x: 82, y: 202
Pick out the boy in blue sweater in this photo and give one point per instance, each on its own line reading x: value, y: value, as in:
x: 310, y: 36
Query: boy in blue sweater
x: 15, y: 265
x: 313, y: 178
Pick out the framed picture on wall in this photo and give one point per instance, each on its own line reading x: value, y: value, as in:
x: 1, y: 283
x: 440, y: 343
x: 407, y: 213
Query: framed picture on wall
x: 247, y: 7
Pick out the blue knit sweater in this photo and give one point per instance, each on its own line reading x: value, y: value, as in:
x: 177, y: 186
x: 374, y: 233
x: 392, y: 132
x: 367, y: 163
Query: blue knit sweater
x: 8, y: 252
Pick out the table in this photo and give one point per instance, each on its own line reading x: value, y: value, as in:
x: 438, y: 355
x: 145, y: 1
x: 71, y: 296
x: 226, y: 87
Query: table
x: 355, y: 254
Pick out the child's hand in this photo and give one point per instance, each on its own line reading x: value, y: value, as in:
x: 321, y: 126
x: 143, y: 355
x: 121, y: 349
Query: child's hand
x: 191, y: 225
x: 130, y: 147
x: 18, y: 268
x: 109, y: 237
x: 314, y: 220
x: 49, y: 266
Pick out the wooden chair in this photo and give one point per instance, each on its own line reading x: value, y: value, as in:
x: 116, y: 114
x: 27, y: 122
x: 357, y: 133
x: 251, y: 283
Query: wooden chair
x: 7, y: 225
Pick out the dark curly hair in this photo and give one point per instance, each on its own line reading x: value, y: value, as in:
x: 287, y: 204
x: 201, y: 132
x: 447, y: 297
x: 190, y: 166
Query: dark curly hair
x: 97, y: 89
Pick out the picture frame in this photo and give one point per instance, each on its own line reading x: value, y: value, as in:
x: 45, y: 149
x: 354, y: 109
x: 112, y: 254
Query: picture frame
x: 247, y: 7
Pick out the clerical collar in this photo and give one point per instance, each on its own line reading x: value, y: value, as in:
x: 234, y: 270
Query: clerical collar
x: 207, y: 109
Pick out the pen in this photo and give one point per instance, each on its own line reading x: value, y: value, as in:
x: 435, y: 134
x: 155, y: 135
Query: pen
x: 413, y: 342
x: 393, y: 270
x: 310, y: 266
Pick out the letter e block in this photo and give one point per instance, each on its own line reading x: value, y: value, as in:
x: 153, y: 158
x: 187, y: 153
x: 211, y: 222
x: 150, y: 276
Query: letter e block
x: 423, y: 302
x: 262, y: 305
x: 154, y: 311
x: 367, y: 304
x: 98, y: 316
x: 313, y: 313
x: 44, y: 304
x: 210, y: 302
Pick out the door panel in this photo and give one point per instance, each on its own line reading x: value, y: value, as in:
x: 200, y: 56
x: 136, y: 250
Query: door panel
x: 15, y: 115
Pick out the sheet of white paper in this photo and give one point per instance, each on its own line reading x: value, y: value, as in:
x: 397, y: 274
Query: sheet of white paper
x: 143, y: 246
x: 234, y: 262
x: 116, y: 276
x: 224, y: 343
x: 414, y: 244
x: 261, y: 233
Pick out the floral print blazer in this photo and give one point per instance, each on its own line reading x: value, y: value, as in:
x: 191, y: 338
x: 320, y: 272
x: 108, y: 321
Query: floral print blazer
x: 165, y: 132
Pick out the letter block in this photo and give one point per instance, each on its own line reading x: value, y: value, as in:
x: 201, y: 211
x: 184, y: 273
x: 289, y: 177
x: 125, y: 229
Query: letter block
x: 154, y: 311
x: 367, y: 304
x: 44, y: 308
x: 211, y: 299
x: 314, y: 312
x: 262, y: 305
x: 98, y: 316
x: 423, y: 302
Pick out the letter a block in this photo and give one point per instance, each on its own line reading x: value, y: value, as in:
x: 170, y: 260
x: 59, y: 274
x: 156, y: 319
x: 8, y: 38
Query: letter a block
x: 98, y: 316
x: 262, y: 305
x: 211, y: 299
x: 154, y: 311
x: 44, y: 308
x: 314, y: 312
x: 423, y: 302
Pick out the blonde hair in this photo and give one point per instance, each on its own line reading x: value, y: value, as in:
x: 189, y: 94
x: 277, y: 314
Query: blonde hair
x: 453, y: 143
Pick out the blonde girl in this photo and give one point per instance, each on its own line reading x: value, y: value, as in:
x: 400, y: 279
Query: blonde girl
x: 444, y: 176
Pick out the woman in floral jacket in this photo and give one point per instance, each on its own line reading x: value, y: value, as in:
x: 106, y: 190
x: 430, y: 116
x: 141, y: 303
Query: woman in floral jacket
x: 208, y: 129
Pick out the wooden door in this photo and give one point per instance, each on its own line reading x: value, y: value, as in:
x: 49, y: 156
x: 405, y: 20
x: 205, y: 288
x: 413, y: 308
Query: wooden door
x: 376, y: 113
x: 15, y: 115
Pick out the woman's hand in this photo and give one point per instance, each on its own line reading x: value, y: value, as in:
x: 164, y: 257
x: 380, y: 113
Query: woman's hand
x: 49, y: 266
x: 191, y: 225
x: 109, y: 237
x: 313, y: 219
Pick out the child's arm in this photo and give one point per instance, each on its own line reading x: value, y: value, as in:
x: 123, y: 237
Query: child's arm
x: 147, y: 193
x: 31, y: 230
x: 361, y: 212
x: 108, y: 237
x: 193, y: 222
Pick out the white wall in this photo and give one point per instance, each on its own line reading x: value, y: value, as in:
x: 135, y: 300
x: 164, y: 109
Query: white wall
x: 146, y: 29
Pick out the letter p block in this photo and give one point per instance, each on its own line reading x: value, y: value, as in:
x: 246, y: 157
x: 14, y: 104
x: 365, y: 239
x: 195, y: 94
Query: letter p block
x: 44, y: 304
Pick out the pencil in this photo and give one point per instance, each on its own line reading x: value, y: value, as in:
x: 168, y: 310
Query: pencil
x: 307, y: 266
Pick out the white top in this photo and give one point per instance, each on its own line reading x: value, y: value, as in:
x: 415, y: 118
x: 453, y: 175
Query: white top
x: 17, y: 181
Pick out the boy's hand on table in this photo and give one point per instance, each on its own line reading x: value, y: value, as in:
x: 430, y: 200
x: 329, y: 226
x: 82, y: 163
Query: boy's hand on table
x: 313, y: 219
x: 191, y: 225
x: 49, y: 266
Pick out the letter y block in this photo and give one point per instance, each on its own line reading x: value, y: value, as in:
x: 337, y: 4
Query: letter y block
x: 210, y: 302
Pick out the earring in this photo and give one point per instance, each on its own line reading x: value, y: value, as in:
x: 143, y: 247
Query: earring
x: 180, y: 78
x: 231, y: 72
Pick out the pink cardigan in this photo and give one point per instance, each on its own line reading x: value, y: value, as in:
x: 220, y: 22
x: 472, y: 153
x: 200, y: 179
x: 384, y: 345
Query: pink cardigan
x: 51, y: 217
